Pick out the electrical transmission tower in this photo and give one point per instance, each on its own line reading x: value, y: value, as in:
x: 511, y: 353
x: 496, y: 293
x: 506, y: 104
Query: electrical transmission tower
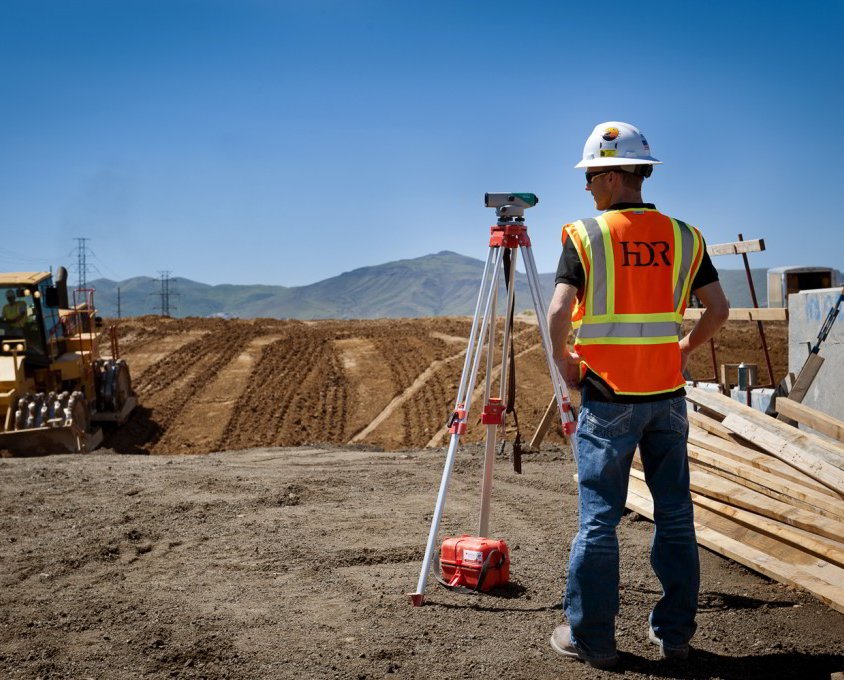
x: 165, y: 292
x: 82, y: 266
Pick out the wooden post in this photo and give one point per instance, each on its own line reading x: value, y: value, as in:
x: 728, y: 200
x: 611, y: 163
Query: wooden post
x: 544, y: 424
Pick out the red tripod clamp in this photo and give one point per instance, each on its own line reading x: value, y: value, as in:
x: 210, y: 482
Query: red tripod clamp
x: 457, y: 424
x: 508, y: 235
x: 493, y: 413
x: 569, y: 426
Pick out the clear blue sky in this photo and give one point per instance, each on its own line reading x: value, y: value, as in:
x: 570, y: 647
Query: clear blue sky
x: 259, y: 141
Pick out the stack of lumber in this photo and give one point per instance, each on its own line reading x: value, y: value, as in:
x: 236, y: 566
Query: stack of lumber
x: 766, y: 494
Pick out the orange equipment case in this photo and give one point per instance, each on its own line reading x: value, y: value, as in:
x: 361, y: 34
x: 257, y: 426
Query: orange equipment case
x: 474, y: 563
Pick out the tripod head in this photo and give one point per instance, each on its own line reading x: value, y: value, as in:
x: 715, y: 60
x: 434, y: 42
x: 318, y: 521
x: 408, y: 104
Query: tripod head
x: 510, y: 208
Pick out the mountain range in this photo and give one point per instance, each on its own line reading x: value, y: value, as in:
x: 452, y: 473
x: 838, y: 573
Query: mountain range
x: 441, y: 284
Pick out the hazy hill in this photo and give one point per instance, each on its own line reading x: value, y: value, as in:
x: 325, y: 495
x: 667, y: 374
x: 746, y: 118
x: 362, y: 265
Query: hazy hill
x: 441, y: 284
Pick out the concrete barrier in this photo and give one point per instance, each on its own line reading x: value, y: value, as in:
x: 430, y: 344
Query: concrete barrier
x: 760, y: 397
x: 807, y: 311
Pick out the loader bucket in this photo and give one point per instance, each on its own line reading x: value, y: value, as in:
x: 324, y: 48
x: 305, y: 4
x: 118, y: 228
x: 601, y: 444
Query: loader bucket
x: 40, y: 441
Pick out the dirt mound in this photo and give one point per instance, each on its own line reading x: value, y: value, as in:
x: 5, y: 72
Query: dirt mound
x: 213, y: 384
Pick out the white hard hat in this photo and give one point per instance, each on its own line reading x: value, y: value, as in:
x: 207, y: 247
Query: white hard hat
x: 616, y: 144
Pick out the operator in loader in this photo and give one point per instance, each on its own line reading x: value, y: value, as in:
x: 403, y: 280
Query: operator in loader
x: 14, y: 311
x: 623, y: 282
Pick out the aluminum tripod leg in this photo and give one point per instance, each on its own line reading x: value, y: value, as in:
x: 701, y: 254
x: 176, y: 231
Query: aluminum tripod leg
x: 464, y: 398
x: 492, y: 427
x: 560, y: 390
x: 489, y: 451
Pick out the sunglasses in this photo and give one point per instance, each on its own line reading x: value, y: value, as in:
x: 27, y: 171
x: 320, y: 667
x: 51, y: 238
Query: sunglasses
x: 597, y: 173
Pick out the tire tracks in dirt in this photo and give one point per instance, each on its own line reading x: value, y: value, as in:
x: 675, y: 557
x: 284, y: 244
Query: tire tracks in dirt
x: 403, y: 357
x: 426, y: 400
x: 173, y: 382
x: 402, y: 398
x: 478, y: 392
x: 298, y: 393
x: 156, y: 350
x: 201, y: 424
x: 387, y: 383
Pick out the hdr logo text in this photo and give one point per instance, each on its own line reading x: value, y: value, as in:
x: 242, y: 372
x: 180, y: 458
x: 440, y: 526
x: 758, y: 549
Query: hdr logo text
x: 644, y: 254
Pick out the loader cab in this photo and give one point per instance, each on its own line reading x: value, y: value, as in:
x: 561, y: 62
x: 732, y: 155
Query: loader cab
x: 27, y: 315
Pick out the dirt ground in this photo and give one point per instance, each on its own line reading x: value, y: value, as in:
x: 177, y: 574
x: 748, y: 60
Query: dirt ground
x: 288, y: 552
x: 294, y: 563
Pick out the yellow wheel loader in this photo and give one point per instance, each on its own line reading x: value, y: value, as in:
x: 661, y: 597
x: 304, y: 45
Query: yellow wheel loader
x: 55, y: 386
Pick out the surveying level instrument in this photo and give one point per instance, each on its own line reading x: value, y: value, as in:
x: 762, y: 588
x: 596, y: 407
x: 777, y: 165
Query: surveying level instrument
x: 507, y: 237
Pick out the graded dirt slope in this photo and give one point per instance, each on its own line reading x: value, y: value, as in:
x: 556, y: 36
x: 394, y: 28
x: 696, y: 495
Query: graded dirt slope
x: 294, y: 563
x: 212, y: 385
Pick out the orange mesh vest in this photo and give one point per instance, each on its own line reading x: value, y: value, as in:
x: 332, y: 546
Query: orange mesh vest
x: 639, y: 266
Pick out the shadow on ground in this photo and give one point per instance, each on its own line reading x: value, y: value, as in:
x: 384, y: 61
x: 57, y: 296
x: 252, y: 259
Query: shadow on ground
x: 137, y: 435
x: 702, y: 665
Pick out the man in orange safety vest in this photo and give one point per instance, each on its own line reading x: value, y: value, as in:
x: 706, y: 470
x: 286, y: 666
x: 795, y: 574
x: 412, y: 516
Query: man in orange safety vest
x: 623, y: 282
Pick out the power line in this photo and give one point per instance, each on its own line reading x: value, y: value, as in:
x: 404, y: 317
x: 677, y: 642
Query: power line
x: 108, y: 270
x: 11, y: 256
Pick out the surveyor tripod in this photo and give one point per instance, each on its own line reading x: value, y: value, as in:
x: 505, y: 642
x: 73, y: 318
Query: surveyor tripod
x: 507, y: 237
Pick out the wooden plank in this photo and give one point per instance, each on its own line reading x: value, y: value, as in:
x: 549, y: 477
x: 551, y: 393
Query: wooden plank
x: 832, y: 551
x: 770, y: 493
x: 826, y: 424
x: 720, y: 489
x: 769, y: 484
x: 736, y: 247
x: 829, y: 451
x: 710, y: 425
x: 781, y: 390
x: 824, y: 547
x: 806, y: 376
x: 805, y: 461
x: 827, y: 586
x: 545, y: 423
x: 760, y: 461
x: 743, y: 313
x: 797, y: 558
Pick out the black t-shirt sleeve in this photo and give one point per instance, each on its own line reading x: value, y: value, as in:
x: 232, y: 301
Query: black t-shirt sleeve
x: 706, y: 273
x: 570, y: 269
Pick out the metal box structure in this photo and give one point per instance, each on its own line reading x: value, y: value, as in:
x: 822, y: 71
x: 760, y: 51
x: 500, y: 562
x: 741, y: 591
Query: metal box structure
x: 783, y: 281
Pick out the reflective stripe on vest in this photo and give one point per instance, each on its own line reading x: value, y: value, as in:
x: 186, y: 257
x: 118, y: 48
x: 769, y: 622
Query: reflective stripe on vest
x: 649, y: 332
x: 689, y: 247
x: 596, y: 248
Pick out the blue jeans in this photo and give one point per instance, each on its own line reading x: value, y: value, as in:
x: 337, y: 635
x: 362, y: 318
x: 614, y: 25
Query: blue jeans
x: 607, y: 436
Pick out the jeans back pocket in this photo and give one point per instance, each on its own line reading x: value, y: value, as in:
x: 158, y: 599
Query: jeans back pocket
x: 678, y: 417
x: 606, y: 419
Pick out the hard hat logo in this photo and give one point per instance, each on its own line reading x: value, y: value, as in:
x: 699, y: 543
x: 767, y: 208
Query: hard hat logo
x: 615, y: 143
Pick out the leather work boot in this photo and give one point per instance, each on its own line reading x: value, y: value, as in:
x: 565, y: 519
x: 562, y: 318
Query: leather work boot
x: 562, y: 644
x: 681, y: 652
